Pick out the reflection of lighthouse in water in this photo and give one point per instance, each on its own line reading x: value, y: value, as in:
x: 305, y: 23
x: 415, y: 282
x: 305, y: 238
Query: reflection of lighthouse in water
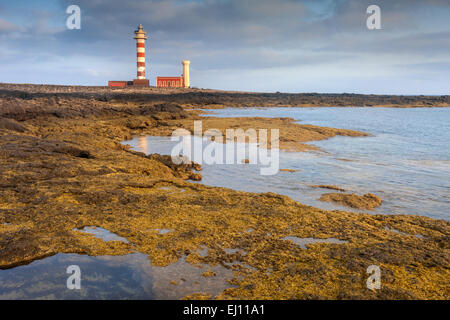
x: 142, y: 143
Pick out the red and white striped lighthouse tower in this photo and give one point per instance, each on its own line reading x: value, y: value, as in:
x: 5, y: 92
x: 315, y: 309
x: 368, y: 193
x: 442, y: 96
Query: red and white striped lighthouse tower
x: 140, y: 53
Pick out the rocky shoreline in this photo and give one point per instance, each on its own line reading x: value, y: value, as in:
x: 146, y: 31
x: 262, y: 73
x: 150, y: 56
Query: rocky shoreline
x: 63, y: 168
x: 208, y: 98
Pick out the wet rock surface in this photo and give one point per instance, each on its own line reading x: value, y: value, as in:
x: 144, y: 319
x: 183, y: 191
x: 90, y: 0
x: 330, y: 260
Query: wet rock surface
x: 326, y: 186
x: 368, y: 201
x: 67, y: 170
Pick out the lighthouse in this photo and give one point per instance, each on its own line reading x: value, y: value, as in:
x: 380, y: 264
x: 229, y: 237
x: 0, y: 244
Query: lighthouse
x: 186, y: 82
x: 140, y: 36
x: 141, y: 80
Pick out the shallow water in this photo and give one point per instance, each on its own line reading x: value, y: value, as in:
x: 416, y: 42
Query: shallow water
x: 129, y: 276
x: 102, y: 234
x: 406, y: 160
x: 303, y: 242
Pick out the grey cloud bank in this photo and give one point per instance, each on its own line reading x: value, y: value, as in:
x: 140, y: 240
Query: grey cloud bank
x: 297, y: 46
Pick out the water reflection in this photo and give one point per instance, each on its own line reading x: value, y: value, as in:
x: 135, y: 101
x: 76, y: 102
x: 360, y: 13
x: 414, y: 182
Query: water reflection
x: 111, y: 277
x: 129, y: 276
x: 143, y: 145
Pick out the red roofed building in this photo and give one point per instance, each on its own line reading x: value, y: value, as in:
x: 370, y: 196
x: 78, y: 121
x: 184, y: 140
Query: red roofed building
x: 169, y: 82
x: 119, y: 84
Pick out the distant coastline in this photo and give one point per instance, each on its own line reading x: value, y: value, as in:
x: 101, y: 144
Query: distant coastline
x: 210, y: 98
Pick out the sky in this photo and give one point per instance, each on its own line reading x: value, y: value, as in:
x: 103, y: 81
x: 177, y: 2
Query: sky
x: 319, y: 46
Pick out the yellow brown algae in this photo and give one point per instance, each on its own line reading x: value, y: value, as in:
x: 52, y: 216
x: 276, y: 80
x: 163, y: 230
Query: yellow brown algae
x: 292, y: 136
x: 368, y: 201
x: 288, y: 170
x: 67, y: 170
x: 198, y: 296
x: 209, y: 273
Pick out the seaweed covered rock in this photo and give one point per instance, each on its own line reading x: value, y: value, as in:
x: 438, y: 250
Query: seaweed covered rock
x: 368, y: 201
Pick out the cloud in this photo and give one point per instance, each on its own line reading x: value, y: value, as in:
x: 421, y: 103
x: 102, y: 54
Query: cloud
x: 290, y: 37
x: 6, y: 26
